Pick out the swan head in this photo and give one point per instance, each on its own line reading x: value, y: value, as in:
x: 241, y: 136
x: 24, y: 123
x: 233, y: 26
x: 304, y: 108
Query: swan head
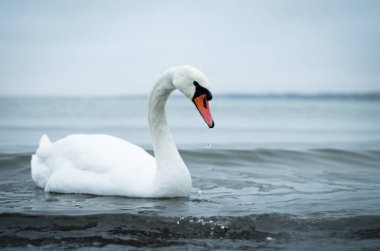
x: 194, y: 85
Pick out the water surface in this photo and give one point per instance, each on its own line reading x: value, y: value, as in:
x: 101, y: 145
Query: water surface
x: 277, y: 172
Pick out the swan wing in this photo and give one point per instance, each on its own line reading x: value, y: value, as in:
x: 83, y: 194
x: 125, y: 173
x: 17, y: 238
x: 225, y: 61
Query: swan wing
x: 95, y: 164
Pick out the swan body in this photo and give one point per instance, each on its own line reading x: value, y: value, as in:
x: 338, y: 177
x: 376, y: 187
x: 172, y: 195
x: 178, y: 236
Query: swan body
x: 107, y: 165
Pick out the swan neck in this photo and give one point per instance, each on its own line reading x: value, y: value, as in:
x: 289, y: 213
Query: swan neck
x: 163, y: 143
x: 172, y: 178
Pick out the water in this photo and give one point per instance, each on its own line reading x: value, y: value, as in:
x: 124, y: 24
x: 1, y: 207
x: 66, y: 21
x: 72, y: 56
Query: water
x: 277, y: 172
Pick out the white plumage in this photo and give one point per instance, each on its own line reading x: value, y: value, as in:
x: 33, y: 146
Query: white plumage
x: 94, y: 164
x: 106, y: 165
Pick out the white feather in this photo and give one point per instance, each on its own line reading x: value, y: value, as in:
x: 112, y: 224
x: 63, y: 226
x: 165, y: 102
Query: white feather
x: 106, y: 165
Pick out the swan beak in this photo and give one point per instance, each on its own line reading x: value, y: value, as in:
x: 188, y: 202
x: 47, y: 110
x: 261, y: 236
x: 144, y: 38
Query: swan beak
x: 201, y: 103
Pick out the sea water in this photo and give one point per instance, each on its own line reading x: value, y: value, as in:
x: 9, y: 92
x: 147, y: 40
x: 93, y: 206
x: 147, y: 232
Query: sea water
x: 277, y: 172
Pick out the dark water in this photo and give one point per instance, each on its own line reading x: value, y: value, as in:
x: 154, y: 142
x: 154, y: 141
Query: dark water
x: 292, y: 173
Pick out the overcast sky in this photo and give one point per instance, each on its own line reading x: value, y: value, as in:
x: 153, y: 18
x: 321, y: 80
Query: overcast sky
x: 121, y: 47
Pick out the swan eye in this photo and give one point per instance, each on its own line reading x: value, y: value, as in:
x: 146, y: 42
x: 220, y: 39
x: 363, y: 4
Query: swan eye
x: 199, y: 90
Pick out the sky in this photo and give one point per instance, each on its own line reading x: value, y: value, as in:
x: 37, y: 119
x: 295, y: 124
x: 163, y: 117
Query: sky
x: 91, y: 47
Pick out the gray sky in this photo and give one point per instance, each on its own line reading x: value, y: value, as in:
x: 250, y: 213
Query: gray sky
x: 121, y: 47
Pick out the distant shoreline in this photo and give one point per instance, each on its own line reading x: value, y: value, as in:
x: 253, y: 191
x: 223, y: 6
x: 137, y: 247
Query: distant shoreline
x: 285, y: 95
x: 323, y: 95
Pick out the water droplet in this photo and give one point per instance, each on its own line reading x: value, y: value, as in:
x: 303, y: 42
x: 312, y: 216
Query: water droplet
x: 199, y: 193
x: 208, y: 146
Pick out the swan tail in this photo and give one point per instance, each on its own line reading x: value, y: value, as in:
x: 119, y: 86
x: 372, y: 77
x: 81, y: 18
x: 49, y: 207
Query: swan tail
x: 44, y: 141
x: 40, y: 171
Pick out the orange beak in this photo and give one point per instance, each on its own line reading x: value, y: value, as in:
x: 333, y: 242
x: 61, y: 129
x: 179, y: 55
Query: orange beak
x: 201, y: 103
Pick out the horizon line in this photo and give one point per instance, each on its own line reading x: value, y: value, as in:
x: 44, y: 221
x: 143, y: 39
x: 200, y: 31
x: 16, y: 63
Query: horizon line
x: 285, y: 94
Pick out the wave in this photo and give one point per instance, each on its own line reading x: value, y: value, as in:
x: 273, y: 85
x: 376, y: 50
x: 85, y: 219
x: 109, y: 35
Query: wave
x: 250, y: 154
x: 225, y: 157
x: 246, y: 199
x: 226, y: 182
x: 153, y: 231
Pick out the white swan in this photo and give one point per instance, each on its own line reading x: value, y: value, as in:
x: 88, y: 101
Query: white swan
x: 106, y: 165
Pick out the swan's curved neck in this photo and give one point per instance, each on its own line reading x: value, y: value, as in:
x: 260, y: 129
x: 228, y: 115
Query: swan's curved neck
x: 161, y: 138
x: 170, y: 166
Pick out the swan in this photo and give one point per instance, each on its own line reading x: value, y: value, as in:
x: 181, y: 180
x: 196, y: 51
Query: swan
x: 107, y: 165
